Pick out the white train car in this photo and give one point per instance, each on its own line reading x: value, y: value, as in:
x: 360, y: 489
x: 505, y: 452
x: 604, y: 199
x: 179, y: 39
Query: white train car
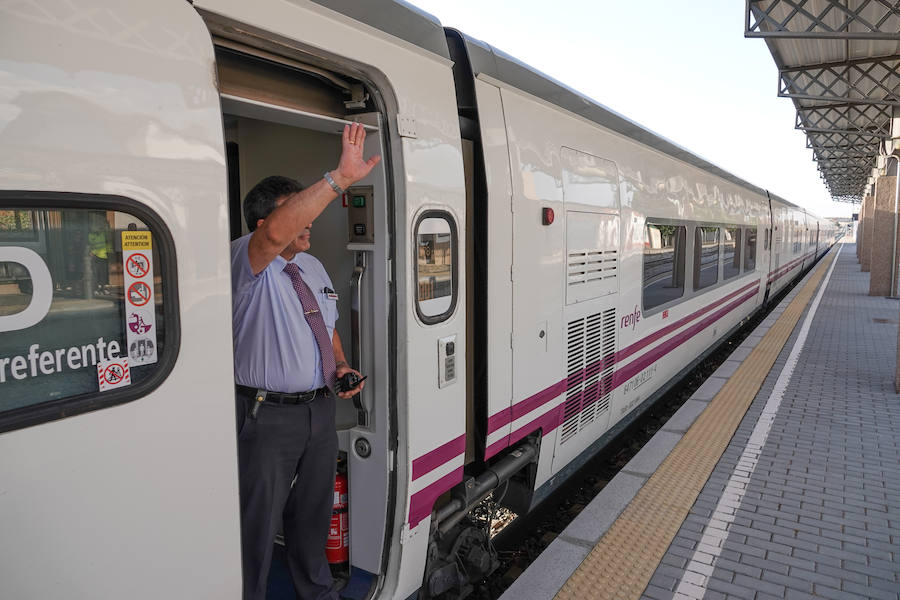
x: 522, y: 274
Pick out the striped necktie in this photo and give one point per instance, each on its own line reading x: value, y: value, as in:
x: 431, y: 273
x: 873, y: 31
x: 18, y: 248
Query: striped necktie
x: 315, y: 321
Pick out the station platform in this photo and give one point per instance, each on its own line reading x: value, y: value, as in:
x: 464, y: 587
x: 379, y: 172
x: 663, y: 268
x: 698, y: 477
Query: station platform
x: 779, y: 478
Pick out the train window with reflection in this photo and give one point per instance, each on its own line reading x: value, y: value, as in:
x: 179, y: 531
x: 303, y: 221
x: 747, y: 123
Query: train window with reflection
x: 435, y: 266
x: 731, y: 253
x: 83, y: 323
x: 750, y: 250
x: 706, y: 257
x: 663, y: 264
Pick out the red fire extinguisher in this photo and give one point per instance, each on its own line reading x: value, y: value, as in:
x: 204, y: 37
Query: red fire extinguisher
x: 337, y: 548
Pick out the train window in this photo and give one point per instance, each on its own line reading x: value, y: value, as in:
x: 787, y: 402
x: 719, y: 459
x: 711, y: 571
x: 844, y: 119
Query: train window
x: 435, y: 266
x: 663, y: 264
x: 750, y: 249
x: 706, y: 257
x: 731, y: 253
x: 83, y: 320
x: 766, y: 239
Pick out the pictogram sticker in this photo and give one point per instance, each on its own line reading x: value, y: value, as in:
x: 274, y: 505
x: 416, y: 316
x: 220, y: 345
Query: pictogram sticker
x: 140, y: 313
x: 139, y: 322
x: 113, y: 374
x: 142, y: 351
x: 139, y: 293
x: 137, y: 265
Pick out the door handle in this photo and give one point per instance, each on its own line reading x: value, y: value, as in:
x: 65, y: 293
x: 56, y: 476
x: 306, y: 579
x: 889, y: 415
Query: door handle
x: 356, y: 328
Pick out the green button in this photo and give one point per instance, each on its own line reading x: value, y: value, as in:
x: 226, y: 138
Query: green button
x: 358, y: 201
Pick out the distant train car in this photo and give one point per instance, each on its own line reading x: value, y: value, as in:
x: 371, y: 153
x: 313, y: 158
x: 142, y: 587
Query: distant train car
x: 523, y: 273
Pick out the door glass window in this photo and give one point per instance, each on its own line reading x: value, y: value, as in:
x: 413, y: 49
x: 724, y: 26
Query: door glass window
x: 706, y: 257
x: 750, y: 250
x: 81, y: 306
x: 435, y: 266
x: 731, y: 253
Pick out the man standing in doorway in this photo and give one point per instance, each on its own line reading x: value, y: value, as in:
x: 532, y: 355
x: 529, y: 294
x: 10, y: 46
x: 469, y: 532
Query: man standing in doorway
x: 287, y: 357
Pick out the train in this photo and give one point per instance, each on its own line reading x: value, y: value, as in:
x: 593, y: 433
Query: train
x: 523, y: 273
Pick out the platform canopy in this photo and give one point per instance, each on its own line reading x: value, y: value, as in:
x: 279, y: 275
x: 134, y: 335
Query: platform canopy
x: 839, y: 61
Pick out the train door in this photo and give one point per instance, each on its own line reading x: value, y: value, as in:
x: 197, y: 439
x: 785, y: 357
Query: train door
x: 285, y: 118
x: 591, y: 197
x: 291, y: 75
x: 116, y: 425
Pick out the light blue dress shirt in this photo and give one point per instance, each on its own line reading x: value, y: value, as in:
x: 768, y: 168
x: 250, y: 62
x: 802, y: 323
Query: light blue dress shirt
x: 274, y: 348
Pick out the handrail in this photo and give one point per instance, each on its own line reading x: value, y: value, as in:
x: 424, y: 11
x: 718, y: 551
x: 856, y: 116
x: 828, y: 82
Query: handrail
x: 356, y: 329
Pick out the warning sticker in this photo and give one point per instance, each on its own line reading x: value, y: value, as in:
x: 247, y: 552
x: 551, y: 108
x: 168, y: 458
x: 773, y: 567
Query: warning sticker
x: 136, y: 240
x: 137, y: 265
x: 142, y: 350
x: 140, y: 307
x: 139, y: 293
x: 113, y: 374
x: 139, y: 322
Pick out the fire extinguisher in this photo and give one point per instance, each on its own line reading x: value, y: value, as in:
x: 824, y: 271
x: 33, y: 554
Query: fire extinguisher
x: 337, y: 548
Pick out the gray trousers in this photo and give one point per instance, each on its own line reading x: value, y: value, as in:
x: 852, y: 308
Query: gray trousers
x: 281, y: 442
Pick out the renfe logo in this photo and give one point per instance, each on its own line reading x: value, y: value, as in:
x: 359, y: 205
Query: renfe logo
x: 632, y: 319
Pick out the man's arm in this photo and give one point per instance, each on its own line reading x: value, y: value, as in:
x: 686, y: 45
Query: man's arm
x: 296, y: 213
x: 342, y: 367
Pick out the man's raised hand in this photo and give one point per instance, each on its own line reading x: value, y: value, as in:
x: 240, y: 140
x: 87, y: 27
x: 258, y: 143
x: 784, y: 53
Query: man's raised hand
x: 352, y: 166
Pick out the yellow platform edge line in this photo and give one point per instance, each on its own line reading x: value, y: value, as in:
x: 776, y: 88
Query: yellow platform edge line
x: 621, y: 564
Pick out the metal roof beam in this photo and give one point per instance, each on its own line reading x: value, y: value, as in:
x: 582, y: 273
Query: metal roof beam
x: 828, y: 163
x: 839, y: 139
x: 832, y: 152
x: 870, y: 19
x: 840, y: 189
x: 864, y: 81
x: 872, y: 119
x: 880, y: 136
x: 844, y: 172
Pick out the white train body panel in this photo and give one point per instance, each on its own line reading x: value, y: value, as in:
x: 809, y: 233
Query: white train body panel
x: 124, y: 114
x: 132, y: 497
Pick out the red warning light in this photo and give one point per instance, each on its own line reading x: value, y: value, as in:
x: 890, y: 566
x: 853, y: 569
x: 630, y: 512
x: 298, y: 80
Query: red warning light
x: 547, y: 216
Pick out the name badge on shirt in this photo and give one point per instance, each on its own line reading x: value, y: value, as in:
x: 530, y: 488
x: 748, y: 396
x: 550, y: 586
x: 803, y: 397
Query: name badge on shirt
x: 330, y: 293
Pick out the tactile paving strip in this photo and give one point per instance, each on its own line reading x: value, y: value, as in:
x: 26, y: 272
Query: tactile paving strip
x: 623, y: 561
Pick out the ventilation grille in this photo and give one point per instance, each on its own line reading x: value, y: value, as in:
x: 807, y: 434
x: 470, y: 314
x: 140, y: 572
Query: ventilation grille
x: 591, y: 359
x: 586, y: 266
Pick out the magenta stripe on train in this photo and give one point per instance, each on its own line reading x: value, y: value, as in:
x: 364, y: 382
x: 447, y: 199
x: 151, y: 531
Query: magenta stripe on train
x: 551, y: 419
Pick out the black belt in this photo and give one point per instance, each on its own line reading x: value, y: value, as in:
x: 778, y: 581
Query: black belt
x: 281, y: 398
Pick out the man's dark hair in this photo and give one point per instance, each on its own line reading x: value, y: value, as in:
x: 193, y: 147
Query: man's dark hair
x: 260, y: 201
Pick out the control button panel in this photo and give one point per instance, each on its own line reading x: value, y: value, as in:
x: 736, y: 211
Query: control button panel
x: 360, y: 214
x: 446, y: 361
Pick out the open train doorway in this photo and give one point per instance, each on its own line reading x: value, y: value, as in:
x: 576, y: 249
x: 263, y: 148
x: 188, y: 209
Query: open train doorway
x: 285, y: 117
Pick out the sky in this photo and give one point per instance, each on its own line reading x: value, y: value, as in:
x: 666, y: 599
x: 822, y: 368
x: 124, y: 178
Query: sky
x: 682, y: 70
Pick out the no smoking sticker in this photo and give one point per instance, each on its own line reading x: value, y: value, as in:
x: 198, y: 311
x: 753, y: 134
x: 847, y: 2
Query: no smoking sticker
x: 137, y: 265
x: 113, y: 374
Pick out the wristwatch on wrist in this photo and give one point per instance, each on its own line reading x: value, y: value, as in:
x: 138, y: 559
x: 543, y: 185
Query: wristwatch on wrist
x: 338, y: 189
